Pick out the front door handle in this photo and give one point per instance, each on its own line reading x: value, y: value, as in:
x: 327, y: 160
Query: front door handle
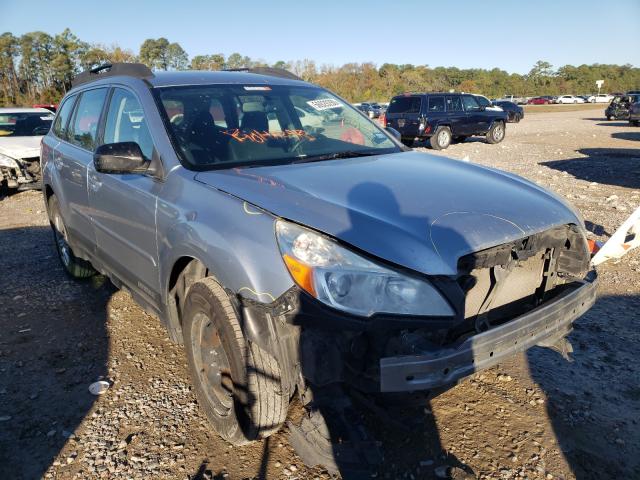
x: 94, y: 183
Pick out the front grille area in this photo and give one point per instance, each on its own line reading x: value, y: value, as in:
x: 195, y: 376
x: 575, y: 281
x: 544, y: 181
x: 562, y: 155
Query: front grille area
x: 511, y: 279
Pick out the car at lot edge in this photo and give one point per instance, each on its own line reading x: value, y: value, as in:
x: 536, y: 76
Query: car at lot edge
x: 634, y: 113
x: 515, y: 113
x: 21, y: 130
x: 287, y: 257
x: 443, y: 118
x: 619, y: 107
x: 569, y: 99
x: 539, y: 101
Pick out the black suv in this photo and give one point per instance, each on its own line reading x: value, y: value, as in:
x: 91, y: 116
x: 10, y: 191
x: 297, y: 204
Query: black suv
x: 442, y: 118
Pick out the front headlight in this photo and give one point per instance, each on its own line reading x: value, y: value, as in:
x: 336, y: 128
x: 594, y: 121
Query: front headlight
x: 347, y: 281
x: 8, y: 162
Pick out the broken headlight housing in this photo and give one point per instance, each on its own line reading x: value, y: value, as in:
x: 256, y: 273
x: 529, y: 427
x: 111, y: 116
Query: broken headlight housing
x: 8, y: 162
x: 347, y: 281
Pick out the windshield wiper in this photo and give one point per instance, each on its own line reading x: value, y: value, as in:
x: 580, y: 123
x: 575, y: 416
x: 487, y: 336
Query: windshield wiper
x: 334, y: 156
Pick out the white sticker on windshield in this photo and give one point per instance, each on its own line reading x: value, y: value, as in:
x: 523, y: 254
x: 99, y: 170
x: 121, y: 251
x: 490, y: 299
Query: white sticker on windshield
x: 325, y: 104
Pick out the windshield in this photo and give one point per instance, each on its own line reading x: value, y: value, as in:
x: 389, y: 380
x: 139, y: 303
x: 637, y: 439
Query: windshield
x: 221, y: 126
x: 24, y: 124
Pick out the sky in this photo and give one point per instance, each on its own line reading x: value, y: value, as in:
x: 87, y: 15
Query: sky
x: 511, y: 35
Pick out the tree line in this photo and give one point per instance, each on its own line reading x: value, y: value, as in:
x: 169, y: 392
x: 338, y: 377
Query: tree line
x: 38, y: 68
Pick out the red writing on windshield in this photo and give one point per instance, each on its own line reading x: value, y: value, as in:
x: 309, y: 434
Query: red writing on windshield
x: 256, y: 136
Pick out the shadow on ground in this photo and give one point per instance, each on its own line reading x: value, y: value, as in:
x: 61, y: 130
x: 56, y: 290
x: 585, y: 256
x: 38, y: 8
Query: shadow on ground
x: 633, y: 136
x: 53, y: 344
x: 594, y: 402
x: 612, y: 166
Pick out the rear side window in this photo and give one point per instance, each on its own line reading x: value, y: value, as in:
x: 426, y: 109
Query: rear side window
x: 454, y: 104
x: 60, y: 126
x: 405, y: 105
x: 436, y: 104
x: 85, y: 122
x: 126, y: 122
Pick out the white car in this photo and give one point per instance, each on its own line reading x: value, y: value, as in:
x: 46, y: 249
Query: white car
x: 21, y: 130
x: 601, y: 98
x: 569, y: 99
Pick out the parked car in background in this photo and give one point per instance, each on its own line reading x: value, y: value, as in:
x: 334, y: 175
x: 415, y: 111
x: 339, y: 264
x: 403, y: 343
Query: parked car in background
x: 515, y: 99
x: 21, y: 130
x: 569, y: 99
x: 587, y: 98
x: 515, y: 113
x: 288, y: 261
x: 52, y: 107
x: 539, y: 101
x: 372, y: 110
x: 634, y: 113
x: 602, y: 98
x: 618, y: 109
x: 443, y: 118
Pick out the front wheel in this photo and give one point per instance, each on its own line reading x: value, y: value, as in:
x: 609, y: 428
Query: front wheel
x: 496, y: 133
x: 238, y: 385
x: 74, y: 266
x: 441, y: 139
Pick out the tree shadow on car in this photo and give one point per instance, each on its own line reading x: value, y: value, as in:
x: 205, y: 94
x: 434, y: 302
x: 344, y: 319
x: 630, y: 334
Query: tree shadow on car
x: 593, y: 402
x: 350, y: 427
x: 612, y: 166
x: 54, y: 344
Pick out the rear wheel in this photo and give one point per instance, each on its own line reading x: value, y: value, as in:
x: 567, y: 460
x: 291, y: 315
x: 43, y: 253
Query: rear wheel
x: 496, y: 133
x: 74, y: 266
x: 441, y: 139
x: 237, y: 383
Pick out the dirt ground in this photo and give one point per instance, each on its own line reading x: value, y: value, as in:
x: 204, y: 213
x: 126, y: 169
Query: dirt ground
x: 535, y: 416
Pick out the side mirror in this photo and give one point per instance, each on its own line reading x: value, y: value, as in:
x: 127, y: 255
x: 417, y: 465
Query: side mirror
x: 122, y: 157
x: 394, y: 133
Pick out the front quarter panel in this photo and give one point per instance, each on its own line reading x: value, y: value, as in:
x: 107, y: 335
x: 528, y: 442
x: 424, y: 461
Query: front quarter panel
x: 233, y: 239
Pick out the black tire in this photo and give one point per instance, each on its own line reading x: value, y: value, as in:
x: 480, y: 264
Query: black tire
x: 407, y: 141
x: 496, y: 133
x: 441, y: 138
x: 74, y: 266
x: 238, y: 387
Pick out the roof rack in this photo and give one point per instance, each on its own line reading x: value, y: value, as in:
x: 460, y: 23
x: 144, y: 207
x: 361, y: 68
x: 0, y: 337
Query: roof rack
x: 271, y: 71
x: 136, y: 70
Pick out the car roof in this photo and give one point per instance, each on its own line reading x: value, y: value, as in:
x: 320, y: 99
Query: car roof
x: 165, y: 79
x: 24, y: 110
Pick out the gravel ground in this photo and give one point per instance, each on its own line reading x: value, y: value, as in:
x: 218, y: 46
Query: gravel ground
x: 535, y: 416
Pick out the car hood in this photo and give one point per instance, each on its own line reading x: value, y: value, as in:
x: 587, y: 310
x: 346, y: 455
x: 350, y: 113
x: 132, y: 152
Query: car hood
x: 20, y: 147
x: 416, y: 210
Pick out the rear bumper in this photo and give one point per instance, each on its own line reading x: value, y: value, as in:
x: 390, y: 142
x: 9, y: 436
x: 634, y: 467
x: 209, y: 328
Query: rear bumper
x: 543, y: 326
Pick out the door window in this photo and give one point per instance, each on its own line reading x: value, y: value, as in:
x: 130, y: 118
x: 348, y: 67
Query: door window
x: 436, y: 104
x: 85, y: 123
x: 126, y: 122
x: 470, y: 103
x: 454, y: 104
x: 61, y: 123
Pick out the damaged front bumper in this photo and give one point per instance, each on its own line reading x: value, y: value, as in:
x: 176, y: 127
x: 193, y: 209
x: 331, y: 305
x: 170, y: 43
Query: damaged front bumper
x: 20, y: 173
x: 545, y: 326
